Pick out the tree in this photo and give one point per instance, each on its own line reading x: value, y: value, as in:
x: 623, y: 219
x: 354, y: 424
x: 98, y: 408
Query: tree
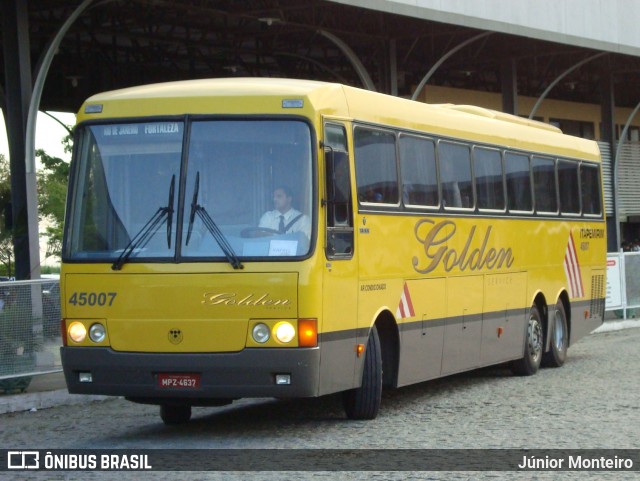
x: 52, y: 190
x: 6, y: 234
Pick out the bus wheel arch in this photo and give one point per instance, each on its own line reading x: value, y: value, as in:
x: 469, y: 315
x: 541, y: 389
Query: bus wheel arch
x: 364, y: 402
x: 380, y: 369
x: 534, y: 339
x: 390, y: 347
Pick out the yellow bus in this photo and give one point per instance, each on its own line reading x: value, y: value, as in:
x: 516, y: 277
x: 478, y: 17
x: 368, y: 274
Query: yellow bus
x: 236, y: 238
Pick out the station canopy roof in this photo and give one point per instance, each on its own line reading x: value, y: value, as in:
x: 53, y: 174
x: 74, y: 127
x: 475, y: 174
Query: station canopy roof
x: 120, y: 43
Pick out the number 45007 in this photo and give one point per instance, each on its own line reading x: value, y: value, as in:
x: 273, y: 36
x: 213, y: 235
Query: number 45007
x: 92, y: 298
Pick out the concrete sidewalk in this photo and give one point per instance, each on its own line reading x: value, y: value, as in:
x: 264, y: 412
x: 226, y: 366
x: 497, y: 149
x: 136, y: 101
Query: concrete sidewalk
x: 45, y: 391
x: 50, y: 390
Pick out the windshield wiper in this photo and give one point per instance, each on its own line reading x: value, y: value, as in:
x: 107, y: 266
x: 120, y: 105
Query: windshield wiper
x: 145, y: 234
x: 172, y: 189
x: 211, y: 226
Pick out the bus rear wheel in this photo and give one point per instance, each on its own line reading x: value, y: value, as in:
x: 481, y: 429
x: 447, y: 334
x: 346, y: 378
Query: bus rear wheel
x: 364, y: 402
x: 559, y: 339
x: 530, y: 363
x: 175, y: 414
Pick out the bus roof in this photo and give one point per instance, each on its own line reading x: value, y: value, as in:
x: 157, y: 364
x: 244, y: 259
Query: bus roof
x: 266, y: 95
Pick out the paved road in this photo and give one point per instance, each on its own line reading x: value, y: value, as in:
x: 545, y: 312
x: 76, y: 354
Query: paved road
x: 591, y: 402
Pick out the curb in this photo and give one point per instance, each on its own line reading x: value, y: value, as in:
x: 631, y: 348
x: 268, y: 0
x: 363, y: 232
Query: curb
x: 43, y: 400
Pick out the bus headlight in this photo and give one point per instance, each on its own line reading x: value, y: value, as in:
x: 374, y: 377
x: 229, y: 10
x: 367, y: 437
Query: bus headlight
x: 97, y: 333
x: 260, y: 333
x: 77, y: 332
x: 284, y: 332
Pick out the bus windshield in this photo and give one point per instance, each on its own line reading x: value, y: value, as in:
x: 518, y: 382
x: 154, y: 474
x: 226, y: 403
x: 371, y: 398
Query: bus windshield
x: 201, y: 189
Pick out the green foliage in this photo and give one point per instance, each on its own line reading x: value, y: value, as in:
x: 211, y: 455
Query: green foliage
x: 52, y: 191
x: 50, y: 270
x: 6, y: 235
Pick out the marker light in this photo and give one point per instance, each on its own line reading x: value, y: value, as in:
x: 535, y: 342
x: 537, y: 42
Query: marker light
x: 93, y: 109
x: 97, y: 332
x: 260, y: 333
x: 292, y: 104
x: 284, y: 332
x: 307, y: 332
x: 77, y: 331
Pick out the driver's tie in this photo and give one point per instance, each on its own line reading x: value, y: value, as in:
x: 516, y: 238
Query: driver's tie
x: 281, y: 225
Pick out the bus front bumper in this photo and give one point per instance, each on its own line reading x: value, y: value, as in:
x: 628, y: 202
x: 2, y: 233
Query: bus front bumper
x: 136, y: 376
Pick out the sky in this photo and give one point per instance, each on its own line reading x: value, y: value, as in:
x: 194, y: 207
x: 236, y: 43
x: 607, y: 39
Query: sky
x: 49, y: 134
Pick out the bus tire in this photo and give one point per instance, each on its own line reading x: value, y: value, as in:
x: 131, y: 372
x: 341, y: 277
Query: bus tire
x: 364, y: 402
x: 175, y: 414
x: 533, y: 345
x: 559, y: 333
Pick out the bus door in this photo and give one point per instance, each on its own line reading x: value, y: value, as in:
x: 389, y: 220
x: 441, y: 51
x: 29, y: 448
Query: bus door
x: 340, y: 289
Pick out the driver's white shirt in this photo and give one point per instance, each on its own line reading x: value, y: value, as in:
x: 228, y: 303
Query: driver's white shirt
x: 271, y: 220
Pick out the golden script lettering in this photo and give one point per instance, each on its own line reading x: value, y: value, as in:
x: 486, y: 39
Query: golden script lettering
x: 436, y: 250
x: 231, y: 299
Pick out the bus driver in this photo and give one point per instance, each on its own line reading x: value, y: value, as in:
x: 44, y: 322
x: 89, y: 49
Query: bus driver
x: 284, y: 219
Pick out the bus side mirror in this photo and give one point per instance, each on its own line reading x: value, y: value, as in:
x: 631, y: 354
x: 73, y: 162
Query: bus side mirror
x: 339, y: 216
x: 338, y: 188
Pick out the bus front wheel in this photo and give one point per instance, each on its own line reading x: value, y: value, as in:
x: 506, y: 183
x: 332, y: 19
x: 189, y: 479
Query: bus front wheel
x: 364, y: 402
x: 559, y: 339
x: 533, y: 344
x: 175, y: 414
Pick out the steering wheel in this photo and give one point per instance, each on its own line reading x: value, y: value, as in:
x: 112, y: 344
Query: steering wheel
x: 252, y: 232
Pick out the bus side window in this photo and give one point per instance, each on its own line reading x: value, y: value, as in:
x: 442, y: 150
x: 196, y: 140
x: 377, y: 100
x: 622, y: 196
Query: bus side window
x: 569, y: 193
x: 339, y: 214
x: 376, y: 168
x: 590, y: 189
x: 418, y: 167
x: 518, y: 182
x: 544, y: 184
x: 487, y: 165
x: 455, y: 175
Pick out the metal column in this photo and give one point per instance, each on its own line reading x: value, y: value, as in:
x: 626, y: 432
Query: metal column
x: 608, y: 134
x: 509, y: 81
x: 15, y: 38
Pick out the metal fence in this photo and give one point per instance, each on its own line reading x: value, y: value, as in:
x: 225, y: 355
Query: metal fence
x: 623, y: 284
x: 29, y: 331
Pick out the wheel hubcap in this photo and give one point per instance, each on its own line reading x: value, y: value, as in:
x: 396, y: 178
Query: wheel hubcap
x: 534, y: 339
x: 558, y: 330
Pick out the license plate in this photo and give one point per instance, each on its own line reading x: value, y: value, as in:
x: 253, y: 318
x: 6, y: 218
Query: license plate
x: 178, y: 381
